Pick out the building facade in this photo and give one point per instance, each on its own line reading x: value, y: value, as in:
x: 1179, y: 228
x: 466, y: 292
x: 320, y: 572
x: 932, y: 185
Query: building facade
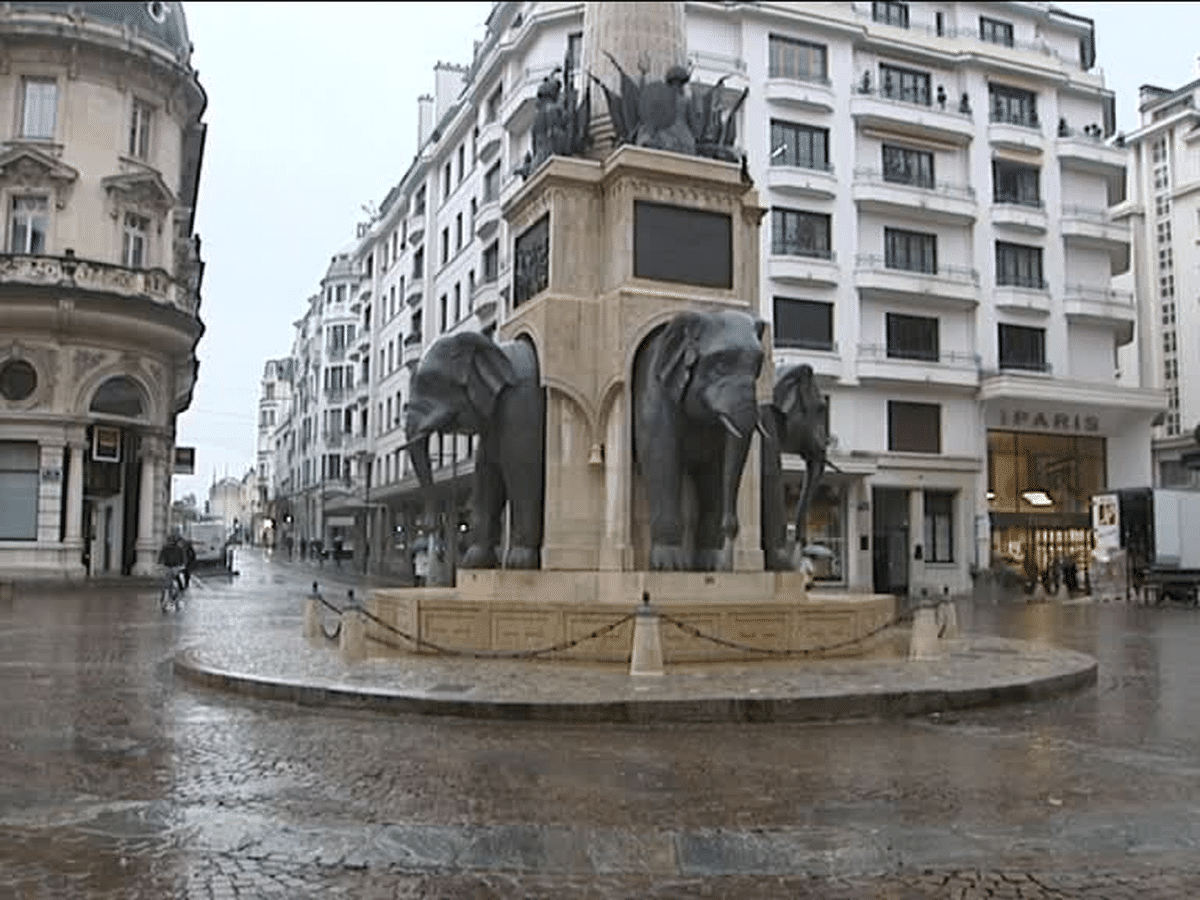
x: 272, y: 405
x: 100, y: 276
x: 939, y: 245
x: 1163, y: 209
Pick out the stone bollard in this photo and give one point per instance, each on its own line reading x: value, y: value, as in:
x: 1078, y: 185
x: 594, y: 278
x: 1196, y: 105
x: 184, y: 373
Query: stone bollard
x: 923, y: 644
x: 352, y: 643
x: 647, y: 657
x: 312, y: 615
x: 947, y: 620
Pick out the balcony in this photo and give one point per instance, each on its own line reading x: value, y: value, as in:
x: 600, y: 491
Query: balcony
x: 332, y: 438
x: 810, y: 96
x: 485, y: 300
x: 956, y: 286
x: 487, y: 218
x: 416, y: 226
x: 875, y: 363
x: 335, y: 353
x: 1025, y: 215
x: 1024, y: 295
x: 873, y: 108
x: 72, y: 272
x: 1015, y: 132
x: 1101, y: 306
x: 937, y: 201
x: 490, y: 137
x: 1095, y: 228
x: 412, y: 351
x: 364, y: 342
x: 517, y: 108
x: 335, y: 393
x: 1091, y: 154
x: 804, y: 266
x: 824, y: 358
x: 416, y: 291
x: 802, y: 181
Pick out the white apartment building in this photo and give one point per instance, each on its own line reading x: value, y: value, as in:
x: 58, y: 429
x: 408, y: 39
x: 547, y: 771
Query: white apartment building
x: 1163, y: 208
x: 272, y: 406
x: 939, y: 245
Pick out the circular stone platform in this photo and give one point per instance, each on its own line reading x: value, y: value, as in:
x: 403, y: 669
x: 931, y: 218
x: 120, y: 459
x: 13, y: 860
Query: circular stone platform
x: 971, y: 671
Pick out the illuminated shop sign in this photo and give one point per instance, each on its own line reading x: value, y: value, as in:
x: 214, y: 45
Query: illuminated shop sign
x: 1045, y: 421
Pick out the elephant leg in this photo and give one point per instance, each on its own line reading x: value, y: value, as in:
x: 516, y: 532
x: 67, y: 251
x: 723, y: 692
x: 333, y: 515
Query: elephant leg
x: 525, y: 537
x: 522, y: 450
x: 772, y: 508
x: 487, y: 502
x: 663, y: 476
x: 814, y: 467
x: 710, y: 539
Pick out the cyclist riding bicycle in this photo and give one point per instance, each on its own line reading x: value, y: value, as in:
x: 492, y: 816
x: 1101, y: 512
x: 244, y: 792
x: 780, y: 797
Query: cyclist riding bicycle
x: 174, y: 556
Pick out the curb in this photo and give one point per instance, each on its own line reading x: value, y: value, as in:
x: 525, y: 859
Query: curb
x: 882, y: 704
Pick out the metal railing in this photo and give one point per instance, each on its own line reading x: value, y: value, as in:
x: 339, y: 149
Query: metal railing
x: 999, y: 115
x: 826, y: 168
x: 1005, y: 199
x: 1091, y: 294
x: 1028, y: 282
x: 945, y: 271
x: 940, y: 102
x: 783, y: 342
x: 797, y: 248
x: 1087, y: 213
x: 949, y: 189
x: 950, y: 359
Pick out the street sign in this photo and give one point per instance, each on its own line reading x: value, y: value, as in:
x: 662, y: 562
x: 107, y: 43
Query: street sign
x: 185, y: 460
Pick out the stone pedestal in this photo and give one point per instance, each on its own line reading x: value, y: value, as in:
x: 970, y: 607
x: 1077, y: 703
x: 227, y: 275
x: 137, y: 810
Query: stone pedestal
x: 587, y: 320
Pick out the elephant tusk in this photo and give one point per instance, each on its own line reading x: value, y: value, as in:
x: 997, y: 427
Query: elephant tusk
x: 761, y: 429
x: 729, y: 426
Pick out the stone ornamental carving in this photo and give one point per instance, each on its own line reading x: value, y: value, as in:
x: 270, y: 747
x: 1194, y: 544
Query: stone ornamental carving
x: 84, y: 361
x: 531, y: 261
x: 27, y: 375
x: 26, y: 166
x: 71, y: 271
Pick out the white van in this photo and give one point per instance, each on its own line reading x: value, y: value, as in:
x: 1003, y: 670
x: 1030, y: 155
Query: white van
x: 207, y: 540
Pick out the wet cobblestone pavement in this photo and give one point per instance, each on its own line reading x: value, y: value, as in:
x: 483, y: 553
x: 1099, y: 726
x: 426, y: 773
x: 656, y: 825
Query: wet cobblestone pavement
x: 121, y: 781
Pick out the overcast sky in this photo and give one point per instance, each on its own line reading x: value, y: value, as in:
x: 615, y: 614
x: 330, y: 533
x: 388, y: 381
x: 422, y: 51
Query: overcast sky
x: 312, y: 113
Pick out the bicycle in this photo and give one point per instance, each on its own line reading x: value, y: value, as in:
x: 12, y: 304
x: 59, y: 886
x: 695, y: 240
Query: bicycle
x: 170, y: 598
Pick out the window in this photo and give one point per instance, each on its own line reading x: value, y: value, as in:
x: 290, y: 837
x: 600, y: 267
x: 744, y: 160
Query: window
x: 445, y: 311
x: 339, y: 293
x: 458, y: 232
x: 912, y: 251
x: 904, y: 166
x: 1014, y: 183
x: 907, y: 85
x: 798, y: 233
x: 395, y: 253
x: 40, y: 108
x: 890, y: 13
x: 420, y: 202
x: 418, y: 263
x: 790, y: 58
x: 462, y: 158
x: 445, y: 182
x: 1013, y: 105
x: 139, y: 130
x: 30, y: 219
x: 995, y: 32
x: 912, y: 337
x: 18, y: 490
x: 134, y: 242
x: 803, y: 324
x: 1022, y: 347
x: 914, y: 427
x: 491, y: 184
x: 457, y: 301
x: 491, y: 262
x: 445, y: 244
x: 799, y: 145
x: 575, y: 49
x: 939, y: 527
x: 1018, y: 265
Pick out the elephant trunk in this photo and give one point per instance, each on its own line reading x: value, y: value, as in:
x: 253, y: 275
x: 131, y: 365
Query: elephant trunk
x: 418, y: 452
x: 736, y: 448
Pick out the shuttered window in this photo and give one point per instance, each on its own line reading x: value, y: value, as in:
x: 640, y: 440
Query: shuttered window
x: 18, y: 490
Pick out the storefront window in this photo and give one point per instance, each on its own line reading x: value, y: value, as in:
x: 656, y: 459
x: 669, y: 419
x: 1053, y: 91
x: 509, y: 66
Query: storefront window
x: 826, y: 526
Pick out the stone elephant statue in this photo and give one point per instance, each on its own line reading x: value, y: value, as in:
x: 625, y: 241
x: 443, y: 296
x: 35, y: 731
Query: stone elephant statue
x: 793, y: 422
x: 469, y: 384
x: 694, y: 412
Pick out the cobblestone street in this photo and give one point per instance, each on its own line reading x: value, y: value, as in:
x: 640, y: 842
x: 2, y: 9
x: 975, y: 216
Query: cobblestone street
x: 121, y: 781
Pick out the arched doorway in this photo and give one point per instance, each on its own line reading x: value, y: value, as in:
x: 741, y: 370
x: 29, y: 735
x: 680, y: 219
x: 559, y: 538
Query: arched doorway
x: 113, y: 479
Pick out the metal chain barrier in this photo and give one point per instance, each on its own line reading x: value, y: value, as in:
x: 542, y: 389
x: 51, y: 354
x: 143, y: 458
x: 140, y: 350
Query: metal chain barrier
x: 418, y: 641
x: 796, y: 651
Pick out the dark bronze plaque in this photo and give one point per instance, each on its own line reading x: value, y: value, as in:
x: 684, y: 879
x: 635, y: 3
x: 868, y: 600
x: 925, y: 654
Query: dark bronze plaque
x: 531, y: 261
x: 690, y: 246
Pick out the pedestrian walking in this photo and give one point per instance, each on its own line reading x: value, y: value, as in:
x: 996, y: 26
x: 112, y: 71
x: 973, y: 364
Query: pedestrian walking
x: 289, y: 543
x: 304, y: 548
x: 337, y: 552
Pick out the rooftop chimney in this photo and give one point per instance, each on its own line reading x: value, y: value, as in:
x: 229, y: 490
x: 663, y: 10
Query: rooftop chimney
x: 424, y: 119
x: 448, y: 82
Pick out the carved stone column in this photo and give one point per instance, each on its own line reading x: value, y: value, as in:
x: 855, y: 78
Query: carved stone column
x: 148, y: 541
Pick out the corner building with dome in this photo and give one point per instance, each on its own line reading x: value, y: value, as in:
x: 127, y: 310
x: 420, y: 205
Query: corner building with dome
x: 99, y: 281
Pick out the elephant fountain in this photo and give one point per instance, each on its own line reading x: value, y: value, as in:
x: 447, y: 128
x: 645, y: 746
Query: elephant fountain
x: 794, y: 422
x: 469, y: 384
x: 694, y: 411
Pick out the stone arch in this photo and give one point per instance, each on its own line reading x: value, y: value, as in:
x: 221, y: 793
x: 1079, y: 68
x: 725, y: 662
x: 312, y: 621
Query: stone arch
x: 117, y: 392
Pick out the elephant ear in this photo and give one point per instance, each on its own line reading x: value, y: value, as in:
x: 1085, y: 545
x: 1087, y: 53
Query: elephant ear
x: 489, y: 373
x: 678, y: 350
x: 796, y: 391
